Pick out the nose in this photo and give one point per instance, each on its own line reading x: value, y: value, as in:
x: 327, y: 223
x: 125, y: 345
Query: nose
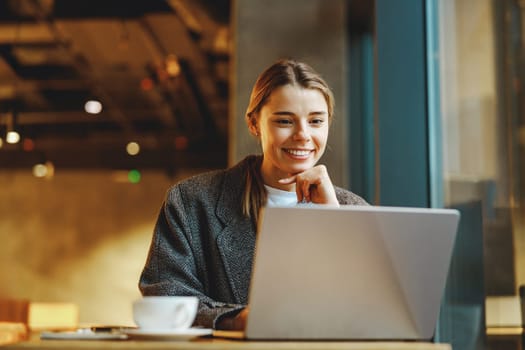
x: 302, y: 132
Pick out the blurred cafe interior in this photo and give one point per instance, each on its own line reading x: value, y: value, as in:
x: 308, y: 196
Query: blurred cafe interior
x: 105, y: 103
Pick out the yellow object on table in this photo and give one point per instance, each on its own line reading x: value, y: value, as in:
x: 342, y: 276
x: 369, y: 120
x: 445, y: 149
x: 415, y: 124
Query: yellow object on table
x: 12, y: 332
x: 53, y: 316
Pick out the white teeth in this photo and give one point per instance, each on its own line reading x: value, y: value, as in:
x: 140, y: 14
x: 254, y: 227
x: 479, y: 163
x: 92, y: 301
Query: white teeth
x: 299, y: 153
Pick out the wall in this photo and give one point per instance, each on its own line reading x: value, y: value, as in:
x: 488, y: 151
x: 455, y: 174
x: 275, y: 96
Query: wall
x: 314, y: 31
x: 80, y: 237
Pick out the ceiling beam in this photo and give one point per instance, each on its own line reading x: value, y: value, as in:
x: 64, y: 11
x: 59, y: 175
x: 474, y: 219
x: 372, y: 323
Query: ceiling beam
x: 167, y: 160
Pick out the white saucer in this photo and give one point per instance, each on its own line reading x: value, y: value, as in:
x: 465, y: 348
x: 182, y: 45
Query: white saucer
x: 166, y: 334
x: 83, y: 334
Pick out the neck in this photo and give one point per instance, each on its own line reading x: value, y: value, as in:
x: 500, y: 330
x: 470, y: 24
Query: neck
x: 272, y: 175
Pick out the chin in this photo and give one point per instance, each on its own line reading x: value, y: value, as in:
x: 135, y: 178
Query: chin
x: 299, y: 168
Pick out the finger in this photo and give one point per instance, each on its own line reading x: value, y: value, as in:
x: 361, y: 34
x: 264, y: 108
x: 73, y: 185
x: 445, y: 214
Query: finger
x: 299, y: 192
x: 288, y: 180
x: 306, y: 190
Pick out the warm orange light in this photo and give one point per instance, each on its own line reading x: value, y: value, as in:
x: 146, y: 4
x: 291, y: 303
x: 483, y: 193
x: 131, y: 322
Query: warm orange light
x: 146, y: 84
x: 28, y: 145
x: 181, y: 143
x: 172, y: 65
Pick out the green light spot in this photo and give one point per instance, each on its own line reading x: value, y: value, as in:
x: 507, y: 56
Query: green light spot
x: 134, y: 176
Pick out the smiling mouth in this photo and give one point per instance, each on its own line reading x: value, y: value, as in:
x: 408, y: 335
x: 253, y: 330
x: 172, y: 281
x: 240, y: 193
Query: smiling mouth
x: 298, y: 152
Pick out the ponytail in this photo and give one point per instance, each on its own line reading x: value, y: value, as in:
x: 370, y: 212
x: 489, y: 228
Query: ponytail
x: 254, y: 192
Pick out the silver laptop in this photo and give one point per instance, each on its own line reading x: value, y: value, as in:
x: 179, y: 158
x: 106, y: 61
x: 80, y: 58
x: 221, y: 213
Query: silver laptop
x: 353, y: 272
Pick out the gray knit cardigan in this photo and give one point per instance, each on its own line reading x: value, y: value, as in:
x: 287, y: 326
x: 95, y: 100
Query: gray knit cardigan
x: 203, y: 245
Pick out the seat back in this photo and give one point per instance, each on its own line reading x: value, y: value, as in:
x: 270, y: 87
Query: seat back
x: 14, y: 310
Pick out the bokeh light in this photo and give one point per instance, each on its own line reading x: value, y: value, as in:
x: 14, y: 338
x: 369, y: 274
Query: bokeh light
x: 172, y: 66
x: 44, y: 170
x: 93, y: 107
x: 133, y: 148
x: 28, y: 145
x: 181, y: 143
x: 12, y: 137
x: 134, y: 176
x: 146, y: 84
x: 39, y: 170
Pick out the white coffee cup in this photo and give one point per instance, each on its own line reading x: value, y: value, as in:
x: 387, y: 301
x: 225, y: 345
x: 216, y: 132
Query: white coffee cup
x: 165, y: 312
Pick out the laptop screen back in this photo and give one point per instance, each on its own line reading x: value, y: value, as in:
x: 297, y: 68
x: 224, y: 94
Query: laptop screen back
x: 352, y: 272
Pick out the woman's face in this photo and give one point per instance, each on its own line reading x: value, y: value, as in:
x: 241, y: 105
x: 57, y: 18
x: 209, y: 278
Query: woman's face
x: 293, y: 129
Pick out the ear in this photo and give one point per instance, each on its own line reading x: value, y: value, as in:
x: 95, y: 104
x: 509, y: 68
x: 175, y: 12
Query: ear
x: 252, y: 126
x: 253, y: 130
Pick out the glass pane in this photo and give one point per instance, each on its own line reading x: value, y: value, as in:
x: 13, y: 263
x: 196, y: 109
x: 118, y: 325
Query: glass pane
x: 483, y: 128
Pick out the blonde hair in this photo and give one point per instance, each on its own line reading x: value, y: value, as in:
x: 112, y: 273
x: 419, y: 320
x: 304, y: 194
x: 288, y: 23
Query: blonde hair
x: 282, y: 72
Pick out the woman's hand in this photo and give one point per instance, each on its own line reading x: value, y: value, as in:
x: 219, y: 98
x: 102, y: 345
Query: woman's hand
x: 313, y: 185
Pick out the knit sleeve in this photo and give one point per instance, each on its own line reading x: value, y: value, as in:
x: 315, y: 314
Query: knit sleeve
x: 171, y: 267
x: 347, y: 197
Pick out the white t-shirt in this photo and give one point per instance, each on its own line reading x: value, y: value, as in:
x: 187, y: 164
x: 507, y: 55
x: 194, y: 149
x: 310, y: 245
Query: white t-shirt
x: 277, y: 197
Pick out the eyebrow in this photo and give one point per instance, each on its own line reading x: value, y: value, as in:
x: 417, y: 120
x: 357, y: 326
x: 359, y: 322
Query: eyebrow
x: 290, y: 113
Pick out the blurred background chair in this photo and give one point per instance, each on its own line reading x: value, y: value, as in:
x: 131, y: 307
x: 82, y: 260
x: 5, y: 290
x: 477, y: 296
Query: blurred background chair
x: 14, y: 310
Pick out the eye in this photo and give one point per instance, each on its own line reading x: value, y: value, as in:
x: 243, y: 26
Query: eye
x: 317, y: 121
x: 283, y: 122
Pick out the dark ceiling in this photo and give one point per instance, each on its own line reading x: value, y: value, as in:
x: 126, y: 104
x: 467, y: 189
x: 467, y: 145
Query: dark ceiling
x: 159, y: 67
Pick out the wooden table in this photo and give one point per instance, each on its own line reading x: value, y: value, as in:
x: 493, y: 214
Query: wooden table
x: 505, y: 338
x: 217, y: 344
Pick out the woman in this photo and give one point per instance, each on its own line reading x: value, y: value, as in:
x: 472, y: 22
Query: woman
x: 204, y: 239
